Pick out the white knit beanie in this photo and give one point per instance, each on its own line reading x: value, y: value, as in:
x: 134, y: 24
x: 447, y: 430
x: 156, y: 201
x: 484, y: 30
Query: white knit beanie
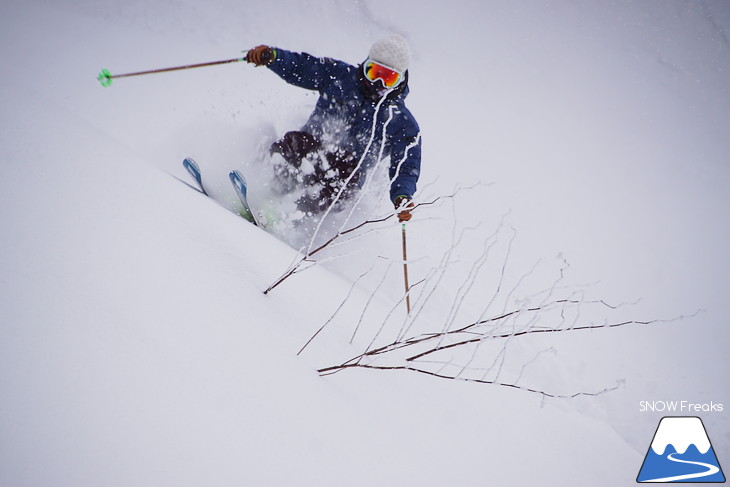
x: 392, y: 51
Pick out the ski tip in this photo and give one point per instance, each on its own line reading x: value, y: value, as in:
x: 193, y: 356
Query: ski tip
x: 189, y: 161
x: 239, y: 182
x: 194, y: 170
x: 237, y: 176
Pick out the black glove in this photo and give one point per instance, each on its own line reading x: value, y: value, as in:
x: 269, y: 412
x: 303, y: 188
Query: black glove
x: 261, y: 55
x: 405, y: 205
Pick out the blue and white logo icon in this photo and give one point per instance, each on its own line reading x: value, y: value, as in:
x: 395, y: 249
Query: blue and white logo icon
x: 681, y: 452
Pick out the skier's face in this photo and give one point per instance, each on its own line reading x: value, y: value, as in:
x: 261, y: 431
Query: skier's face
x: 379, y: 89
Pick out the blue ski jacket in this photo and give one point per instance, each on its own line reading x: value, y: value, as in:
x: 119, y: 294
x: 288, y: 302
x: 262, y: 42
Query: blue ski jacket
x: 344, y: 116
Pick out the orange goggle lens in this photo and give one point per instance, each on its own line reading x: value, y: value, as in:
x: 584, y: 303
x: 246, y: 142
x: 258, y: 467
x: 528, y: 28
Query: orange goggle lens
x: 375, y: 71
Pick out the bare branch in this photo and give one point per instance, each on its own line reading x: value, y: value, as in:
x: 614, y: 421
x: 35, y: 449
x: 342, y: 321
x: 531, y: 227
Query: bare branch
x: 541, y: 330
x: 339, y: 308
x: 479, y: 351
x: 295, y: 267
x: 332, y: 370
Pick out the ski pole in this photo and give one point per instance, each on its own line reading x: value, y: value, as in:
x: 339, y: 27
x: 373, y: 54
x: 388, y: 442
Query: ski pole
x: 105, y: 77
x: 405, y: 271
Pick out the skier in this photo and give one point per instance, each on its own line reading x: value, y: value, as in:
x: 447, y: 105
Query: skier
x: 360, y: 116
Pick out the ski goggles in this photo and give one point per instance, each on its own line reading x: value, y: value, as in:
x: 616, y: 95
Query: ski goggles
x: 376, y: 71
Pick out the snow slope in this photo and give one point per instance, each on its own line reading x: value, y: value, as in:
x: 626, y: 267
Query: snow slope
x: 136, y: 346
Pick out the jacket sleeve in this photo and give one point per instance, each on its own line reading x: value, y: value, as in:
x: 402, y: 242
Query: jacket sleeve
x: 305, y: 70
x: 405, y: 157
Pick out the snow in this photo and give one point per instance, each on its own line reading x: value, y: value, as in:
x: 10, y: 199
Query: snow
x: 137, y: 347
x: 681, y: 433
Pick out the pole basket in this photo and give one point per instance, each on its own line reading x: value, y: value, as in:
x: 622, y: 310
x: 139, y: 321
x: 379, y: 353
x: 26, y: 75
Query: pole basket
x: 105, y: 78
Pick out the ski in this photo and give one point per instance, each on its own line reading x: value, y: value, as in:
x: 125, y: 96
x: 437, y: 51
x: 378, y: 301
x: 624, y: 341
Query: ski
x: 194, y: 170
x: 239, y: 184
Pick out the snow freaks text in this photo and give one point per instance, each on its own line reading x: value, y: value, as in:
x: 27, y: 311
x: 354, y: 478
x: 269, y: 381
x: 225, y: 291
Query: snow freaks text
x: 679, y: 407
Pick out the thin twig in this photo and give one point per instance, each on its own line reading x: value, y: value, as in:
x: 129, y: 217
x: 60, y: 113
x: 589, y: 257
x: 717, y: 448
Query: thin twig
x: 332, y: 370
x: 295, y: 267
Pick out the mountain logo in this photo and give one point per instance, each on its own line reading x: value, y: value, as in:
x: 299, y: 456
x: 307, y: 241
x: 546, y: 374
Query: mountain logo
x: 681, y: 452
